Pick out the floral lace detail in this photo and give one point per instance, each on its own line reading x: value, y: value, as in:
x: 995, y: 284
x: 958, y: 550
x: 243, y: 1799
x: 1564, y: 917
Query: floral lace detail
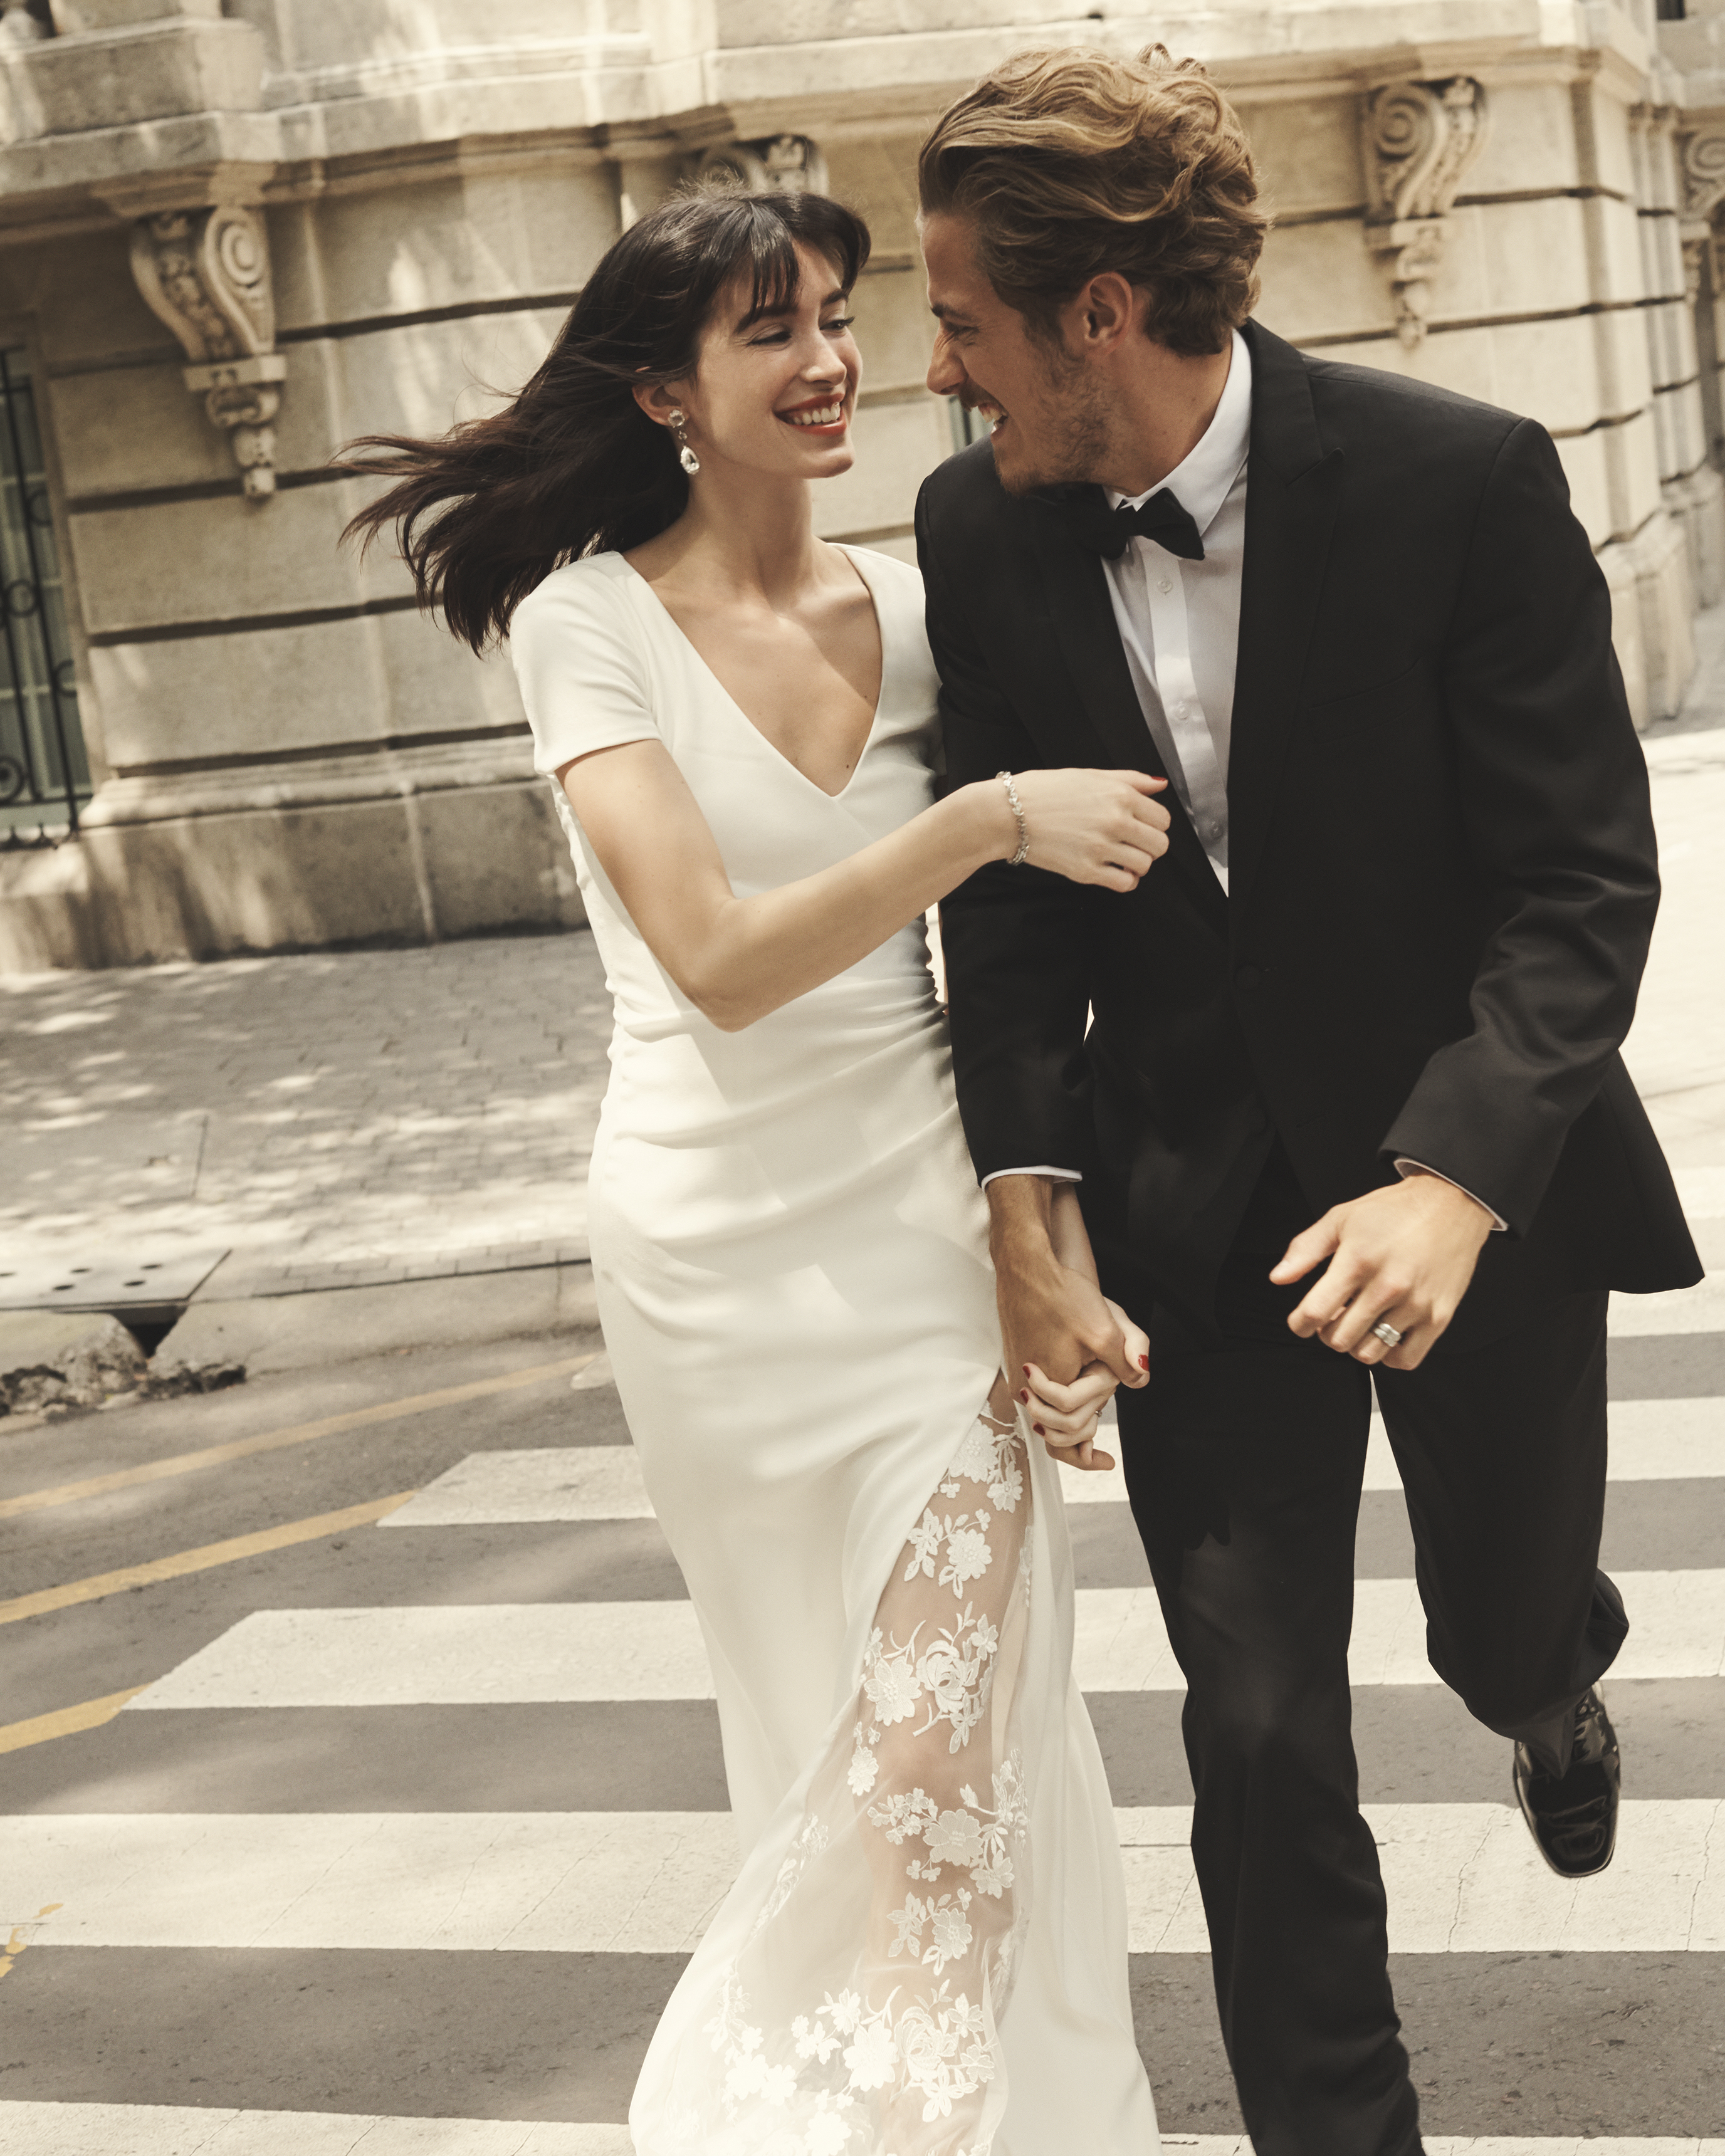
x: 900, y: 2056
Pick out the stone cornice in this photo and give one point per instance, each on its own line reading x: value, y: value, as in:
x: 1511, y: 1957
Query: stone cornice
x: 396, y: 121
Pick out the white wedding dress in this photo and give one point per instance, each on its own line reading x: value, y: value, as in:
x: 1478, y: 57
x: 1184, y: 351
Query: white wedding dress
x: 925, y: 1952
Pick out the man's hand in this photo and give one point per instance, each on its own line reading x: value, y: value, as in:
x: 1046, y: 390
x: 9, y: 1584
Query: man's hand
x: 1064, y: 1339
x: 1405, y: 1254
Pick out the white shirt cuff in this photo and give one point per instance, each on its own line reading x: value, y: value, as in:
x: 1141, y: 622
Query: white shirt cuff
x: 1053, y: 1174
x: 1499, y: 1227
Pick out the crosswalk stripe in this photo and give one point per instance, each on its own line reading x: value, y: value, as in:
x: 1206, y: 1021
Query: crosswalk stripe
x: 100, y: 1585
x: 273, y: 1440
x: 119, y: 2129
x: 472, y: 1655
x: 126, y: 2129
x: 1461, y: 1879
x: 1652, y: 1441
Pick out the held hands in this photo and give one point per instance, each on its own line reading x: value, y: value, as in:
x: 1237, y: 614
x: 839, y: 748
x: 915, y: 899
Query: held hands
x: 1067, y: 1345
x: 1101, y: 827
x: 1405, y: 1255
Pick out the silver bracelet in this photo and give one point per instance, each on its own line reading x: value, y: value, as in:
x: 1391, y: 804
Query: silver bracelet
x: 1017, y: 807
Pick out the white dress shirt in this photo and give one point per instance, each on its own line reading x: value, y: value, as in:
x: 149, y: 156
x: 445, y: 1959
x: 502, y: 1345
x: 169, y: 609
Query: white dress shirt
x: 1179, y: 627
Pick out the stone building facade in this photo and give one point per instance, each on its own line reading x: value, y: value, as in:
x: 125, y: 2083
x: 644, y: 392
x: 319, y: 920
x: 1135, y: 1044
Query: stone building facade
x: 235, y: 233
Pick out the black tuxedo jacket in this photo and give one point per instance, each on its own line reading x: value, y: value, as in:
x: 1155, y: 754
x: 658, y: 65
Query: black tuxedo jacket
x: 1442, y: 859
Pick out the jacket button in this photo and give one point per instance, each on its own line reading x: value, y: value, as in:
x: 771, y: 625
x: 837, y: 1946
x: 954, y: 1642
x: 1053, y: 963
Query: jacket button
x: 1248, y: 977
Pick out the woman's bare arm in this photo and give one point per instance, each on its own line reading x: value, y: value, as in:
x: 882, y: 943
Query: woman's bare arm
x: 738, y: 959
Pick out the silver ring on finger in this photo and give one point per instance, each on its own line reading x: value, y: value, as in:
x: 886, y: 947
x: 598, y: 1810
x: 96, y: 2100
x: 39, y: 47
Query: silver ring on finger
x: 1385, y: 1331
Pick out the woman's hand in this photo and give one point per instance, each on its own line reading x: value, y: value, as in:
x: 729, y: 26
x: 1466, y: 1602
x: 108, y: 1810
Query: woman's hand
x: 1064, y: 1416
x: 1101, y: 827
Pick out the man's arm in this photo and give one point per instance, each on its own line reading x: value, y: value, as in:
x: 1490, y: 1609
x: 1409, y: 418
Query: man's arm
x: 1553, y: 788
x: 1018, y: 994
x: 1553, y: 799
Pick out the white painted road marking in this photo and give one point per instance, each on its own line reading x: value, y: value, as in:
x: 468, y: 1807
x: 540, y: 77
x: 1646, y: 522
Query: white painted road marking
x: 1652, y: 1441
x: 119, y: 2129
x: 519, y: 1653
x: 141, y: 2130
x: 1461, y: 1879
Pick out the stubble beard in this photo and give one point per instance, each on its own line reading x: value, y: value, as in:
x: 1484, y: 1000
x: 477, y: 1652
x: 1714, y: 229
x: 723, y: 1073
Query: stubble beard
x: 1076, y: 444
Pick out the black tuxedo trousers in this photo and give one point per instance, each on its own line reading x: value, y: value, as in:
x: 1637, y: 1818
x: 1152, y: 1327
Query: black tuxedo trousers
x: 1243, y: 1461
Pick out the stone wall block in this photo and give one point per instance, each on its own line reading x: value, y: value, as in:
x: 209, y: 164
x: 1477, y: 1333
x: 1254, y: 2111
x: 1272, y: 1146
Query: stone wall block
x: 434, y: 685
x: 124, y: 78
x: 1619, y: 337
x: 496, y: 858
x: 1631, y: 463
x: 212, y: 696
x: 1306, y: 154
x: 450, y: 242
x: 895, y: 330
x: 1614, y: 229
x: 1665, y: 592
x: 1583, y: 457
x: 75, y: 17
x: 1533, y: 144
x: 130, y: 429
x: 1605, y: 155
x: 422, y: 378
x: 1619, y: 568
x: 897, y: 446
x: 209, y: 887
x: 1683, y: 429
x: 229, y: 559
x: 1321, y: 280
x: 1532, y: 256
x: 1697, y: 503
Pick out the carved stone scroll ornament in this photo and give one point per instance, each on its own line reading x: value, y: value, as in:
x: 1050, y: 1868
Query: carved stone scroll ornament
x: 206, y: 273
x: 1421, y: 138
x: 1703, y: 159
x: 776, y: 164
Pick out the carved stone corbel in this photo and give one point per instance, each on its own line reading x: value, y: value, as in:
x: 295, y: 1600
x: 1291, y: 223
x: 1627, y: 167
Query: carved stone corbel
x: 206, y: 273
x: 1702, y: 154
x: 1420, y: 137
x: 774, y: 164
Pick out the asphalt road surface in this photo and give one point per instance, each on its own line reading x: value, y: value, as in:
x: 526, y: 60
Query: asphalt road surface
x: 361, y: 1789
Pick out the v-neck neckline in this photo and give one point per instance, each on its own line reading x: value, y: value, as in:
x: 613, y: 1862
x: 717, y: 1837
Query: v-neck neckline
x: 771, y: 747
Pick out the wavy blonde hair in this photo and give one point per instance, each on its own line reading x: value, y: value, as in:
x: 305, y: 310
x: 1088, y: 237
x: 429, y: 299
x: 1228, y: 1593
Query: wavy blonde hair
x: 1069, y: 163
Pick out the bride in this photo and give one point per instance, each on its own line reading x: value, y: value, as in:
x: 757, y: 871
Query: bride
x: 925, y: 1952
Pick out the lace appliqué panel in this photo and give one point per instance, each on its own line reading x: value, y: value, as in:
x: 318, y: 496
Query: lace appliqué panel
x: 861, y: 2018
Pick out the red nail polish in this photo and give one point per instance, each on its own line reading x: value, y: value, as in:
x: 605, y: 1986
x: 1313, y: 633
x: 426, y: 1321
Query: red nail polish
x: 1039, y: 1429
x: 1026, y: 1398
x: 1143, y: 1362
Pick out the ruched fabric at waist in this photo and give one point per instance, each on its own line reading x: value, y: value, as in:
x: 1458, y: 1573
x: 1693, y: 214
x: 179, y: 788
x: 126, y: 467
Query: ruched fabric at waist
x: 678, y: 1081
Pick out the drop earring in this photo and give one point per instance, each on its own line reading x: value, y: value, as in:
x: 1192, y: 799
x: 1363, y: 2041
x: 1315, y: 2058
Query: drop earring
x: 685, y: 456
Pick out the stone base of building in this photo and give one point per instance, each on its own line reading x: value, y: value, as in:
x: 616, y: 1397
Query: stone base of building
x: 411, y: 868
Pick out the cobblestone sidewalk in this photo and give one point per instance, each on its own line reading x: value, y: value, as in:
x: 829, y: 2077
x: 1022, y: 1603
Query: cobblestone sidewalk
x: 326, y: 1119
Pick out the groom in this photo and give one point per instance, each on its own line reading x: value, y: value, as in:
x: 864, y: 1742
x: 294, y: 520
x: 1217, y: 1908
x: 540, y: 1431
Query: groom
x: 1349, y: 1105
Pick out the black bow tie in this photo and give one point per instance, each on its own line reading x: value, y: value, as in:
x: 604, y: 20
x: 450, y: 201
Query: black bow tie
x: 1108, y: 532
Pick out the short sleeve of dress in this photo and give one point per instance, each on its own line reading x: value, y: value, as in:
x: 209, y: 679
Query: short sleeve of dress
x: 581, y: 670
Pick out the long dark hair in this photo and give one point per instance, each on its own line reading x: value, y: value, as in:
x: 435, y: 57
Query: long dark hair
x: 574, y: 466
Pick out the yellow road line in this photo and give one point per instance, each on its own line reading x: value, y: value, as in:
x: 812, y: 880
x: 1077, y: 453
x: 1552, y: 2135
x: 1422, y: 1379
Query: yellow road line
x: 65, y: 1721
x: 242, y: 1448
x: 101, y: 1584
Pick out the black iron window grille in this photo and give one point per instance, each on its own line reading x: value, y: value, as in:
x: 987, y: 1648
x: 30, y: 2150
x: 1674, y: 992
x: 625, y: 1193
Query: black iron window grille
x: 44, y: 772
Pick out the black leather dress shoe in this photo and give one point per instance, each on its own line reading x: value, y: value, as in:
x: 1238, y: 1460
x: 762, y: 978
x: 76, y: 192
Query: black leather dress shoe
x: 1573, y: 1816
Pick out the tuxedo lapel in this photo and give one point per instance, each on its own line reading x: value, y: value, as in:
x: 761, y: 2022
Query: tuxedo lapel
x: 1073, y: 587
x: 1293, y: 490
